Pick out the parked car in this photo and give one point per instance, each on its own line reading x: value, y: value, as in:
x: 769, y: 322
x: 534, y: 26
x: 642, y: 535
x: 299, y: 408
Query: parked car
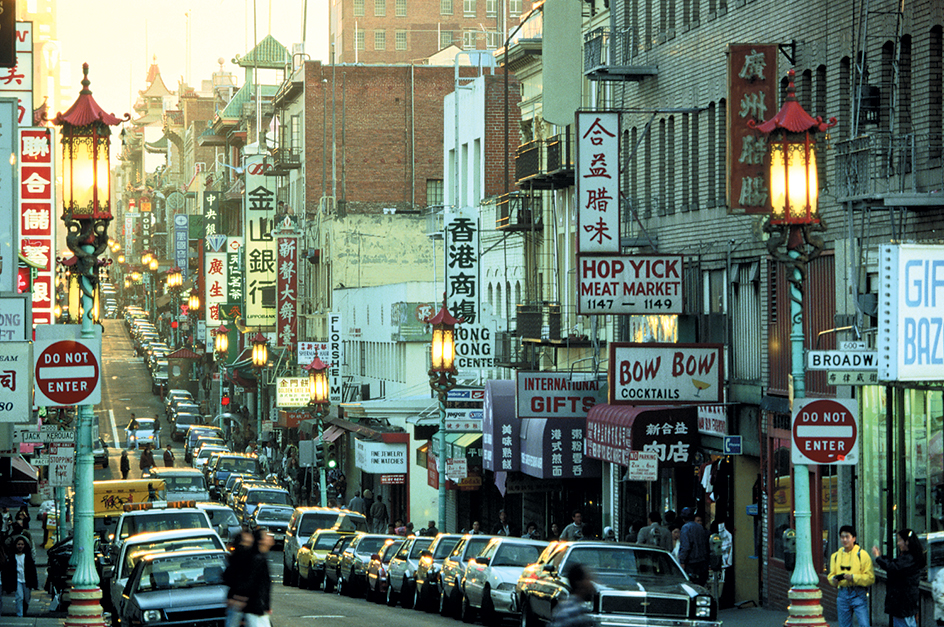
x: 180, y: 588
x: 377, y: 570
x: 531, y: 572
x: 453, y: 570
x: 274, y: 518
x: 489, y: 583
x: 309, y: 561
x: 635, y: 585
x: 305, y: 521
x: 402, y: 568
x: 427, y: 572
x: 332, y: 561
x: 350, y: 522
x: 352, y: 576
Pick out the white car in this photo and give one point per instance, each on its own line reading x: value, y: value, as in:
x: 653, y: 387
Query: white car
x: 145, y: 433
x: 490, y: 578
x: 202, y: 456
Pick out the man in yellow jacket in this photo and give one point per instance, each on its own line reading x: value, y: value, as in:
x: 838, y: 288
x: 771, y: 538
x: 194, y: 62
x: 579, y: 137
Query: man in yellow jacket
x: 850, y: 568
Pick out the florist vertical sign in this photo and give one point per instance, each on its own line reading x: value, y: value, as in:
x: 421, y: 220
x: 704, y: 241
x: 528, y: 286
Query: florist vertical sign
x: 598, y: 184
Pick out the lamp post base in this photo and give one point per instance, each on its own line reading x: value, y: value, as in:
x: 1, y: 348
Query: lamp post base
x: 806, y: 608
x: 85, y: 608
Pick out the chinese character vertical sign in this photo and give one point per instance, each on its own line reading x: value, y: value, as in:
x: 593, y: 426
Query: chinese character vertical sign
x: 17, y: 81
x: 215, y: 274
x: 752, y: 92
x: 234, y: 279
x: 461, y: 249
x: 37, y: 216
x: 129, y: 234
x: 182, y: 243
x: 287, y: 294
x: 259, y: 205
x: 598, y: 182
x: 211, y: 212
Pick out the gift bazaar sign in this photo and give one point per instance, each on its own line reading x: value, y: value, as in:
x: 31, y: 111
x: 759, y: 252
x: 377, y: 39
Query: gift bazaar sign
x: 665, y: 373
x: 639, y: 284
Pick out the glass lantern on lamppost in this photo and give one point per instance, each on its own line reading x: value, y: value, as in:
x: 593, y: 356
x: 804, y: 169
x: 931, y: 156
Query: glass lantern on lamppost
x: 174, y: 282
x: 319, y: 404
x: 794, y: 223
x: 260, y: 356
x: 86, y: 212
x: 193, y: 311
x: 442, y: 378
x: 220, y: 350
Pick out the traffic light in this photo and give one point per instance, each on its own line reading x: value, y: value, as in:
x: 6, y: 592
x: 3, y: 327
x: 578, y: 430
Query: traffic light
x: 224, y: 401
x: 330, y: 455
x: 319, y: 455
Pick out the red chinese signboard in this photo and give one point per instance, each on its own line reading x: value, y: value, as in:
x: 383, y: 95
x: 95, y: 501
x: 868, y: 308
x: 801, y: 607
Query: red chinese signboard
x: 286, y: 311
x: 37, y: 217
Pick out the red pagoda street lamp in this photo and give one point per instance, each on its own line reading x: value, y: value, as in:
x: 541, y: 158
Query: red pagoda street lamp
x: 260, y: 356
x: 319, y: 404
x: 86, y: 212
x: 442, y: 378
x: 220, y: 348
x: 793, y: 194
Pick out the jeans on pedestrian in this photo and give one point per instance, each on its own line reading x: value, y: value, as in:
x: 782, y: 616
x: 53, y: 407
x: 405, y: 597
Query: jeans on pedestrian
x: 234, y: 617
x: 853, y: 601
x: 22, y: 599
x: 255, y: 620
x: 910, y: 621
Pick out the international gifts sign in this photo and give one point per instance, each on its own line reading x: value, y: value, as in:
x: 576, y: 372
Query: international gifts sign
x: 286, y: 324
x: 37, y: 191
x: 260, y: 246
x: 598, y: 182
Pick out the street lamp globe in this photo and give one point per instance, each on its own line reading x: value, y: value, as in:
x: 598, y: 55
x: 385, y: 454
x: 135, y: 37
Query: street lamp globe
x: 153, y: 264
x: 318, y: 389
x: 443, y: 347
x: 221, y: 342
x: 146, y: 259
x: 260, y: 350
x: 194, y: 302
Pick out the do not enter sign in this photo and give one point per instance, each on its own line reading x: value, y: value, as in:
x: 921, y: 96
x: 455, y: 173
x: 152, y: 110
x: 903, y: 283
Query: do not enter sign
x: 825, y: 431
x: 66, y: 368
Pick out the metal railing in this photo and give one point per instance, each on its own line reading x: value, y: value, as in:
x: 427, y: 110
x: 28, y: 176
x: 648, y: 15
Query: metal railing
x: 877, y: 164
x: 529, y: 160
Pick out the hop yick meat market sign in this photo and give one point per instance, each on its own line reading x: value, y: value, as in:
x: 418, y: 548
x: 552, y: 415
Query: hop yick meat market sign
x: 656, y: 374
x: 640, y: 284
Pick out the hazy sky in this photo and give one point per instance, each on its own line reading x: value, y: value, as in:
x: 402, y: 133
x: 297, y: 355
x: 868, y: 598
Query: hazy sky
x: 119, y: 38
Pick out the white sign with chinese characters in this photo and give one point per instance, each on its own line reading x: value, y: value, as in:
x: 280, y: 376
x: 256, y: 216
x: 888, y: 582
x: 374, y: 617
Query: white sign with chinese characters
x: 380, y: 457
x: 16, y: 382
x: 474, y: 340
x: 260, y: 246
x: 598, y: 182
x: 292, y: 392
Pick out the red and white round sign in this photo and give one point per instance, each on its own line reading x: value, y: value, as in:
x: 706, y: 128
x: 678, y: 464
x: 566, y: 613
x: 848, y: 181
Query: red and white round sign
x: 825, y: 431
x: 66, y: 373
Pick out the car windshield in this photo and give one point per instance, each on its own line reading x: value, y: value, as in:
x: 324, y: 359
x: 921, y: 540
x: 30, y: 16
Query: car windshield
x: 445, y: 547
x: 510, y: 554
x: 613, y: 564
x: 187, y: 483
x: 183, y: 571
x: 369, y: 546
x: 145, y: 424
x: 268, y: 496
x: 326, y: 541
x: 391, y: 551
x: 274, y: 514
x: 206, y: 451
x: 420, y: 545
x: 208, y: 542
x: 313, y: 521
x: 231, y: 481
x: 164, y: 521
x: 224, y: 517
x: 187, y: 419
x: 242, y: 464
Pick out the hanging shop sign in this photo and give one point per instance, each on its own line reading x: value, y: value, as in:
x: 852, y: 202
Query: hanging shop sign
x: 38, y: 219
x: 17, y: 81
x: 215, y: 274
x: 211, y: 213
x: 380, y: 457
x: 9, y: 263
x: 659, y: 374
x: 335, y: 357
x: 260, y: 248
x: 235, y: 303
x: 292, y: 392
x: 557, y: 395
x: 630, y: 284
x: 182, y: 243
x: 753, y: 87
x: 14, y: 318
x: 475, y: 342
x: 16, y: 382
x: 286, y: 325
x: 598, y: 182
x: 307, y: 351
x: 910, y: 339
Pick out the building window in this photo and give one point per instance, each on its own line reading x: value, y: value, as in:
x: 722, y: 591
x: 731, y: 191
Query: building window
x: 401, y: 8
x: 445, y: 7
x: 468, y: 39
x: 358, y: 8
x: 434, y: 192
x: 493, y: 40
x: 401, y: 40
x: 468, y: 8
x: 380, y: 8
x: 296, y: 132
x: 380, y: 40
x: 445, y: 39
x: 514, y: 8
x: 491, y: 8
x: 359, y: 35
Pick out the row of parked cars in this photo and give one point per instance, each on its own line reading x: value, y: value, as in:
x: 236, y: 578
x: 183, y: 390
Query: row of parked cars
x: 483, y: 577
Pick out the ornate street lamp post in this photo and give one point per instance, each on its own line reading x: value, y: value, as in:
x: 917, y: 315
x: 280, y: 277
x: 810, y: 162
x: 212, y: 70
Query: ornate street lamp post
x: 442, y: 378
x: 795, y: 224
x: 260, y: 355
x: 193, y: 310
x: 220, y: 348
x: 174, y: 282
x: 319, y: 404
x: 86, y: 213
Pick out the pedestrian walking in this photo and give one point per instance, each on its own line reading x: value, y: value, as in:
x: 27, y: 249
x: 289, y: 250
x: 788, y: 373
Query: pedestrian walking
x: 234, y: 577
x: 169, y: 457
x: 125, y: 464
x: 851, y: 570
x: 378, y: 515
x: 147, y: 459
x: 574, y: 531
x: 532, y: 532
x: 654, y: 533
x: 502, y: 527
x: 259, y: 589
x: 131, y: 432
x: 693, y: 548
x: 358, y: 504
x: 19, y: 575
x: 904, y: 575
x: 573, y: 611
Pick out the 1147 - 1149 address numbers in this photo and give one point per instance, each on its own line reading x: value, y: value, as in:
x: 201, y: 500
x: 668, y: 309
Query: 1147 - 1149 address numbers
x: 649, y: 303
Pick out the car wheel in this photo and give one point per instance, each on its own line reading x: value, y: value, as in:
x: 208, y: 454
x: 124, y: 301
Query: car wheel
x: 443, y: 603
x: 489, y: 617
x: 418, y: 602
x: 368, y: 592
x: 406, y: 593
x: 467, y: 613
x: 391, y: 596
x: 317, y: 581
x: 528, y: 619
x: 303, y: 582
x: 105, y: 463
x: 328, y: 584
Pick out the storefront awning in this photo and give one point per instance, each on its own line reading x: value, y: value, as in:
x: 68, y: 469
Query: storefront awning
x: 501, y: 448
x: 553, y: 449
x: 17, y: 477
x: 615, y: 430
x: 469, y: 445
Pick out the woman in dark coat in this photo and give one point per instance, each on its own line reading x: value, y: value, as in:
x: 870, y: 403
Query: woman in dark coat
x: 259, y: 585
x: 11, y: 585
x: 904, y: 573
x: 125, y: 464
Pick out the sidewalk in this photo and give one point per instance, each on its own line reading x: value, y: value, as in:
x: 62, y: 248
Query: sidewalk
x: 39, y: 611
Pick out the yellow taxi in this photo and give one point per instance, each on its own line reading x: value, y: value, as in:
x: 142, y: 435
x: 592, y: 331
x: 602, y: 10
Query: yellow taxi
x: 310, y: 559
